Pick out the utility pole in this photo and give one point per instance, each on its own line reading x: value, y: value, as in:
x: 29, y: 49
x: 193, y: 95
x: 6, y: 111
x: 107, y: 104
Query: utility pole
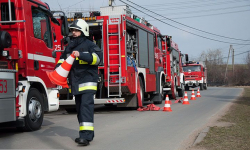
x: 110, y: 2
x: 233, y: 60
x: 227, y: 63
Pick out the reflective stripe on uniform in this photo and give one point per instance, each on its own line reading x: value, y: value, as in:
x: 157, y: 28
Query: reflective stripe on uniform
x: 96, y: 59
x: 86, y: 126
x: 60, y: 61
x: 81, y: 62
x: 88, y: 86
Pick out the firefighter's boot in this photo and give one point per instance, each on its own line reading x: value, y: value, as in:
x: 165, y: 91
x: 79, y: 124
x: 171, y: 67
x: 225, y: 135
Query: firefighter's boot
x: 77, y: 140
x: 83, y: 142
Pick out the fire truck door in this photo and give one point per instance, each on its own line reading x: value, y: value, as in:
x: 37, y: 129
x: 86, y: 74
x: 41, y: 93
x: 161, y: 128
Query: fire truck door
x: 42, y: 45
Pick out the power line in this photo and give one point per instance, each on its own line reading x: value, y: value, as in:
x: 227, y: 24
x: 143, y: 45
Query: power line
x: 182, y: 23
x: 177, y: 3
x: 187, y: 12
x: 196, y: 6
x: 242, y: 53
x: 229, y: 56
x: 73, y: 4
x: 219, y: 9
x: 209, y: 15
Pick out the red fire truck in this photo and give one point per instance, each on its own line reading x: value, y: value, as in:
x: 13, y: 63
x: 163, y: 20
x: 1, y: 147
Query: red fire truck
x: 174, y: 75
x: 134, y: 51
x: 26, y: 48
x: 195, y: 74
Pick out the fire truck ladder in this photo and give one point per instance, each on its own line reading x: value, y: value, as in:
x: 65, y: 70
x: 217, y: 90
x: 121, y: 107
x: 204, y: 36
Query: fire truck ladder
x: 111, y: 64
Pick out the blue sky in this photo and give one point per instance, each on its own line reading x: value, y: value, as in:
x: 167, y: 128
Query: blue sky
x: 228, y: 18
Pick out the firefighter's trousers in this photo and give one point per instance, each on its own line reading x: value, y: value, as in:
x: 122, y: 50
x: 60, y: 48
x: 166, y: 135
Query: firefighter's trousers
x: 85, y: 115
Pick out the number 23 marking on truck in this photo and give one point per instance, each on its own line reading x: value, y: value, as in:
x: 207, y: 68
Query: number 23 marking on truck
x: 3, y: 86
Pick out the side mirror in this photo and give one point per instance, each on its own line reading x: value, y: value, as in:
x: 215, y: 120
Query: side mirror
x: 64, y: 23
x: 168, y: 42
x: 64, y: 26
x: 186, y: 56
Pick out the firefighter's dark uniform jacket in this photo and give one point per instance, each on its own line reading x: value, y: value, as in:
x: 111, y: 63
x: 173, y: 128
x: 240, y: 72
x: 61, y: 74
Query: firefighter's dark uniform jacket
x: 83, y: 75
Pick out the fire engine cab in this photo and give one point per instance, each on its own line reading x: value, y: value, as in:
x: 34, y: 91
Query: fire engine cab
x: 195, y: 75
x: 27, y: 43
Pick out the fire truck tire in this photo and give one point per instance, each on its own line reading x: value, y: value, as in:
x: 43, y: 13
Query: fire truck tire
x: 205, y: 86
x: 142, y: 91
x: 181, y: 91
x: 186, y: 88
x: 35, y: 111
x: 160, y: 96
x: 201, y: 86
x: 174, y: 93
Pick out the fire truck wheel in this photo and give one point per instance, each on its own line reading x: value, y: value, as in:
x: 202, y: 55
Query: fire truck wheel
x: 160, y: 95
x: 34, y: 117
x: 142, y: 89
x: 186, y: 88
x: 205, y: 86
x: 201, y: 86
x: 173, y: 91
x: 181, y: 91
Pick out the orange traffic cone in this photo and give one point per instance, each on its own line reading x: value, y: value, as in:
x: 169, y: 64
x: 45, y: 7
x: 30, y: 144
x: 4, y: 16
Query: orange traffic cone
x: 59, y: 76
x: 167, y: 105
x: 198, y: 93
x: 193, y: 96
x: 185, y: 101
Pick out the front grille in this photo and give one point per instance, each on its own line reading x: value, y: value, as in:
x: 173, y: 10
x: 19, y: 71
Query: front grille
x: 191, y: 76
x: 3, y: 65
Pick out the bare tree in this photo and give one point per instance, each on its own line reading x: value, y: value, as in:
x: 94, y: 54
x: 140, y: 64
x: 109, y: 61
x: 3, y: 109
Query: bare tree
x: 215, y: 66
x: 248, y: 60
x: 248, y: 68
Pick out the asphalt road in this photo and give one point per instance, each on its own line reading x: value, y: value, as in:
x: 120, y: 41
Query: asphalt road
x: 121, y: 129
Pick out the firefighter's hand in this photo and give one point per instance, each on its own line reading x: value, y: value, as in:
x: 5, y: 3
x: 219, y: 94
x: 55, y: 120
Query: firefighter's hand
x: 76, y: 53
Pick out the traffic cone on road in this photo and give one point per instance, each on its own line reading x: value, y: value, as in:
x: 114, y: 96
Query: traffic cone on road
x: 59, y: 76
x: 193, y: 96
x: 167, y: 105
x: 185, y: 101
x: 198, y: 93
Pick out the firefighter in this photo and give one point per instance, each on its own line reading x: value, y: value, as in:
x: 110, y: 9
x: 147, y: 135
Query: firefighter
x: 83, y: 77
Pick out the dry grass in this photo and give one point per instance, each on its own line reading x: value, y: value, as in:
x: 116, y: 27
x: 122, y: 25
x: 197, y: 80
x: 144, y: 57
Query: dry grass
x: 235, y: 137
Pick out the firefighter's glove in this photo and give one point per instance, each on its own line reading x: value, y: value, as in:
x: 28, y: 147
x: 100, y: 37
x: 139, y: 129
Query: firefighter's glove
x: 76, y: 53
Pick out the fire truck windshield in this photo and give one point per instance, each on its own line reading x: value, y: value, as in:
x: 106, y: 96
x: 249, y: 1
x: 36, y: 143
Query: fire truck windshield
x: 191, y: 68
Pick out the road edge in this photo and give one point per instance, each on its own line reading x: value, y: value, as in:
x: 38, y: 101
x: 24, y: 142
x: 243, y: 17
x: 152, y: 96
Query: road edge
x: 193, y: 138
